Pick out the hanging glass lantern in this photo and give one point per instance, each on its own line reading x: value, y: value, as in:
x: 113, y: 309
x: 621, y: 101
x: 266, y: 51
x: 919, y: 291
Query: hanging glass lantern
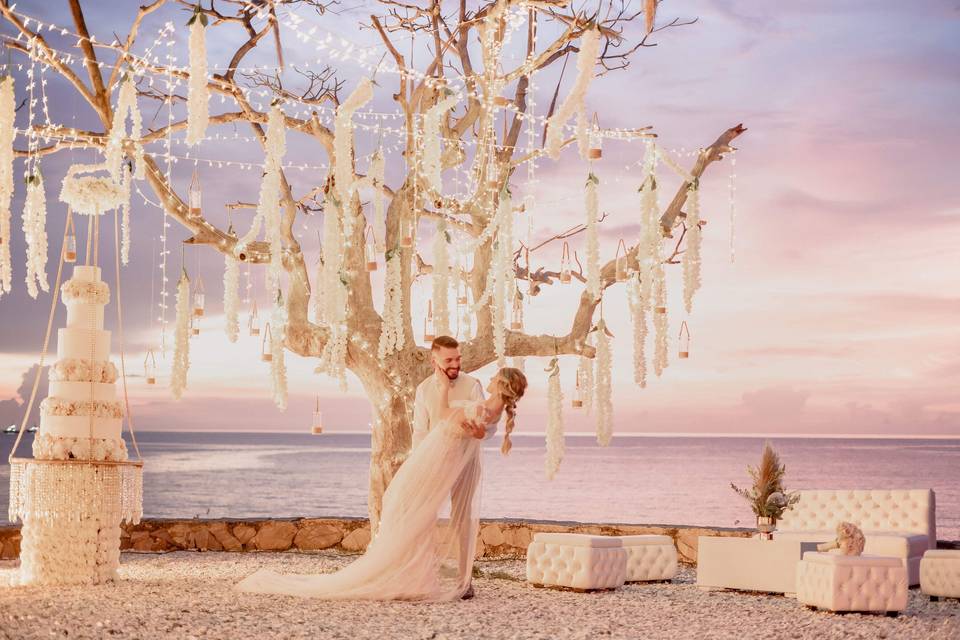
x: 429, y: 332
x: 266, y: 346
x: 370, y: 249
x: 70, y: 244
x: 316, y: 426
x: 578, y: 392
x: 684, y: 340
x: 150, y: 367
x: 565, y: 264
x: 516, y: 317
x: 196, y: 196
x: 194, y: 325
x: 660, y: 308
x: 406, y: 233
x: 198, y: 297
x: 621, y: 262
x: 253, y: 322
x: 596, y: 140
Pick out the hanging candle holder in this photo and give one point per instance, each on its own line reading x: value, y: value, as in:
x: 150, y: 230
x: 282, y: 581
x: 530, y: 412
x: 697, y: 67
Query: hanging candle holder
x: 150, y: 367
x: 70, y: 243
x: 578, y: 392
x: 316, y: 426
x: 266, y: 346
x: 370, y: 249
x: 565, y: 264
x: 621, y: 262
x: 660, y: 308
x: 516, y: 317
x: 253, y: 322
x: 684, y: 340
x: 429, y: 332
x: 199, y: 297
x: 196, y: 196
x: 406, y: 233
x: 194, y: 325
x: 596, y: 140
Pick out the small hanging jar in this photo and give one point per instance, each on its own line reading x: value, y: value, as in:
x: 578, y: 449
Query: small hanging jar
x: 621, y: 262
x: 565, y: 264
x: 253, y: 322
x: 316, y: 426
x: 199, y: 297
x: 370, y: 249
x: 660, y: 308
x: 578, y: 392
x: 70, y: 243
x: 428, y: 328
x: 596, y: 140
x: 194, y: 325
x: 150, y: 367
x: 266, y: 345
x: 196, y: 197
x: 516, y: 317
x: 684, y: 340
x: 406, y: 233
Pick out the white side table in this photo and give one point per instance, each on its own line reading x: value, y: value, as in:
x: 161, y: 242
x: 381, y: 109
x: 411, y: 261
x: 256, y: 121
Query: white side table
x: 750, y: 564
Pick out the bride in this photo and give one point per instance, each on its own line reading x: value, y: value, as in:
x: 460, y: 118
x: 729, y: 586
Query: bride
x: 415, y: 555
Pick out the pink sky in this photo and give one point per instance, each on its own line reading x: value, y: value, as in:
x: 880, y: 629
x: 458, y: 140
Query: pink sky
x: 840, y: 313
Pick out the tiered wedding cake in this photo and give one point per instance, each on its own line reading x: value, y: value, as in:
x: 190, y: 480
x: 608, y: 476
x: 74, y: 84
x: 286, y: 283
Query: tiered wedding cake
x: 81, y: 418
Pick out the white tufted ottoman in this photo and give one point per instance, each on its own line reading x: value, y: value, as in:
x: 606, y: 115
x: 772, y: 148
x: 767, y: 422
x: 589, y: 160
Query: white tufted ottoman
x: 650, y: 558
x: 940, y: 574
x: 578, y: 561
x: 852, y: 583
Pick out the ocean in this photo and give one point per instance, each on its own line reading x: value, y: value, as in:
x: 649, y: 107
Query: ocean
x: 644, y: 480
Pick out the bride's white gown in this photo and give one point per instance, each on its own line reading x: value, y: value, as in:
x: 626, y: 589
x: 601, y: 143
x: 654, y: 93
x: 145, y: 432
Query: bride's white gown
x: 416, y: 554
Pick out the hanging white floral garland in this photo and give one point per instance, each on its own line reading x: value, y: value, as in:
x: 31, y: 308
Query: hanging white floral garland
x: 555, y: 444
x: 503, y: 274
x: 586, y: 378
x: 125, y: 186
x: 7, y: 116
x: 231, y: 296
x: 343, y: 149
x: 691, y: 257
x: 278, y: 366
x: 268, y: 207
x: 391, y: 333
x: 593, y: 241
x: 660, y: 323
x: 440, y: 279
x: 333, y: 358
x: 573, y: 103
x: 198, y: 93
x: 604, y: 388
x: 638, y: 318
x: 181, y: 336
x: 126, y: 105
x: 316, y: 293
x: 376, y: 175
x: 431, y: 165
x: 35, y: 232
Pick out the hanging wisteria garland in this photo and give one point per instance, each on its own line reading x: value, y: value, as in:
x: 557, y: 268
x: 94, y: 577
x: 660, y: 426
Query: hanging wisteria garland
x: 126, y: 105
x: 555, y: 444
x: 592, y: 240
x: 440, y: 279
x: 604, y: 389
x: 431, y: 165
x: 7, y: 116
x: 503, y: 274
x: 376, y: 175
x: 181, y: 337
x: 638, y: 303
x: 573, y: 104
x: 231, y: 296
x: 278, y: 366
x: 391, y: 333
x: 585, y: 377
x: 691, y: 257
x: 333, y: 358
x: 343, y: 149
x: 35, y: 232
x: 198, y: 93
x: 125, y: 188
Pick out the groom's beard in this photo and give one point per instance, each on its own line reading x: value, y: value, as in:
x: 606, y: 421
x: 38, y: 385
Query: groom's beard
x: 452, y: 373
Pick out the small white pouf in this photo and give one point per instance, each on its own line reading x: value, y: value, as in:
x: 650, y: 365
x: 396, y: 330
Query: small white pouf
x: 851, y: 583
x: 577, y: 561
x: 940, y: 573
x: 650, y: 557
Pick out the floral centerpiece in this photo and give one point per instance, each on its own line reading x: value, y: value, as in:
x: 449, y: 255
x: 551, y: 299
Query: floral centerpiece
x: 767, y: 497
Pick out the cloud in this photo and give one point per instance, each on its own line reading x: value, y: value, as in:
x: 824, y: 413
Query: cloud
x: 11, y: 409
x: 773, y: 402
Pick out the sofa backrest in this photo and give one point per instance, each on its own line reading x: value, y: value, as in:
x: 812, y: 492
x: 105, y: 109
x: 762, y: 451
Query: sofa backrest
x: 894, y: 510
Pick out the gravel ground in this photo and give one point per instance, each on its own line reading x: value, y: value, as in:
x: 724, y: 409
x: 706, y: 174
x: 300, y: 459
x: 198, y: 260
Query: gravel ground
x: 188, y: 595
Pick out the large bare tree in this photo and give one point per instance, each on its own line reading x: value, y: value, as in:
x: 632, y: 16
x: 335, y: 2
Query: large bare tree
x: 454, y: 35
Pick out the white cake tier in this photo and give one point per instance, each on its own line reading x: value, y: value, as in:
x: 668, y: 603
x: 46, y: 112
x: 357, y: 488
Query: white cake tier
x: 84, y: 315
x: 83, y: 344
x: 47, y: 447
x: 83, y: 391
x: 80, y: 427
x: 87, y: 274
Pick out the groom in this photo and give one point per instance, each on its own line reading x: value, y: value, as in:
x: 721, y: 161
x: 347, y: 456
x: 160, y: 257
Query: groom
x: 445, y: 352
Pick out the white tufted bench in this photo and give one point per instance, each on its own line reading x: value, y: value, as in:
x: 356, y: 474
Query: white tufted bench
x: 900, y: 523
x: 940, y: 573
x: 650, y: 558
x: 852, y: 583
x: 577, y: 561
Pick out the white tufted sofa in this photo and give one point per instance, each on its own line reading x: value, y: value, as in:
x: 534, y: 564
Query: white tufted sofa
x: 940, y: 573
x: 577, y: 561
x: 899, y: 523
x: 851, y: 583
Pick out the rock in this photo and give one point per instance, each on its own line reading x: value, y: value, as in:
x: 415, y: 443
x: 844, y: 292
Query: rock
x: 244, y: 533
x: 181, y: 534
x: 491, y: 535
x: 314, y: 536
x: 275, y: 535
x: 356, y: 540
x: 686, y: 541
x: 518, y: 537
x: 227, y: 540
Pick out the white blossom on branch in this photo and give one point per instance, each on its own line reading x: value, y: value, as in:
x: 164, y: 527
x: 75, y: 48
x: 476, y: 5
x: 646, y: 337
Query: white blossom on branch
x: 573, y: 104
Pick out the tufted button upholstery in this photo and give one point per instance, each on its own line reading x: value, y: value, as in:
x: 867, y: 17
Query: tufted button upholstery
x: 851, y: 583
x: 940, y: 573
x: 650, y: 557
x: 577, y: 561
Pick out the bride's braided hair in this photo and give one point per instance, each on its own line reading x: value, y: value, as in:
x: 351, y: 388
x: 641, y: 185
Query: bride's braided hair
x: 512, y: 386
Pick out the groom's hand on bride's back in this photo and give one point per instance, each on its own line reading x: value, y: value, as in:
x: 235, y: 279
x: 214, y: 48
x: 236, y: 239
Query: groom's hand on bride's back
x: 473, y: 429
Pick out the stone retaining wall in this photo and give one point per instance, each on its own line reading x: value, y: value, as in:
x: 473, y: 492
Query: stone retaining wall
x: 497, y: 538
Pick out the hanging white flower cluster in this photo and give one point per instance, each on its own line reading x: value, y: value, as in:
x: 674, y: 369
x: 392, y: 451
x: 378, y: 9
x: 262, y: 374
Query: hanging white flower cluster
x: 638, y: 316
x: 91, y: 195
x: 376, y: 176
x: 573, y: 104
x: 126, y: 105
x: 691, y: 257
x: 333, y: 358
x: 391, y: 333
x: 593, y: 240
x: 7, y: 116
x: 585, y: 378
x: 441, y: 280
x: 231, y: 296
x: 125, y: 188
x: 343, y: 149
x: 604, y: 388
x: 316, y: 294
x: 181, y: 337
x: 503, y: 275
x: 35, y: 231
x: 555, y: 444
x: 278, y: 366
x: 660, y: 323
x: 198, y: 93
x: 269, y: 205
x: 431, y: 165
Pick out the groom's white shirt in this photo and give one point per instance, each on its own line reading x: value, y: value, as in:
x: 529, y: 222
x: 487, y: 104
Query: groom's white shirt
x: 465, y: 389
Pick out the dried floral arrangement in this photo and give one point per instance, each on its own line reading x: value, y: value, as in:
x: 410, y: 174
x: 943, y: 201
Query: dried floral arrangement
x: 767, y: 497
